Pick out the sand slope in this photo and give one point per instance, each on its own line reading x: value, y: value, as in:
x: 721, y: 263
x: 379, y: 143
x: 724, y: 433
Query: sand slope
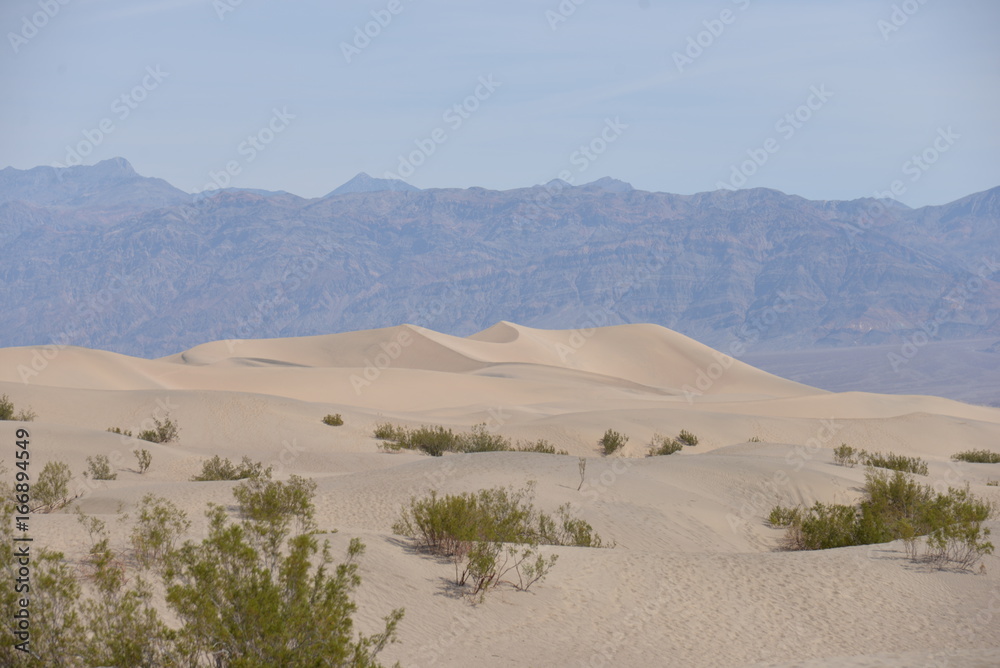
x: 695, y: 579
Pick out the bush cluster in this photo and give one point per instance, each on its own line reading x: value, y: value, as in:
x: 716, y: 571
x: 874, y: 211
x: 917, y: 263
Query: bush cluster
x: 7, y: 411
x: 234, y: 600
x: 845, y: 455
x: 334, y: 420
x: 663, y: 445
x: 120, y: 431
x: 895, y: 506
x: 99, y: 468
x: 217, y: 468
x: 612, y: 442
x: 492, y: 536
x: 163, y: 432
x: 437, y: 440
x: 978, y: 457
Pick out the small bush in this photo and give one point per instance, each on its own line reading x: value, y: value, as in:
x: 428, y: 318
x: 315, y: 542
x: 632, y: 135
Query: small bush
x: 334, y: 420
x: 99, y: 468
x: 663, y: 445
x: 612, y: 442
x: 52, y: 489
x: 435, y: 441
x: 143, y: 459
x: 993, y: 483
x: 978, y: 457
x: 160, y: 525
x: 492, y: 535
x: 482, y: 440
x: 389, y: 432
x: 217, y: 468
x: 896, y: 462
x: 7, y: 411
x: 120, y: 431
x: 542, y: 446
x: 754, y: 439
x: 687, y: 438
x: 845, y: 455
x: 164, y: 432
x: 896, y: 507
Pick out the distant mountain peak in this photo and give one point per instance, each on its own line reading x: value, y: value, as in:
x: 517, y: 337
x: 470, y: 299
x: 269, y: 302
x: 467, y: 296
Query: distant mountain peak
x: 363, y: 183
x: 114, y: 166
x: 609, y: 184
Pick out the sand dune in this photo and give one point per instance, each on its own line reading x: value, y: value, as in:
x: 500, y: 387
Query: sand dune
x: 695, y: 579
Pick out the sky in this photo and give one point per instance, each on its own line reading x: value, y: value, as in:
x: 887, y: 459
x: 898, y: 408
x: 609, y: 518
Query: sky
x: 822, y: 99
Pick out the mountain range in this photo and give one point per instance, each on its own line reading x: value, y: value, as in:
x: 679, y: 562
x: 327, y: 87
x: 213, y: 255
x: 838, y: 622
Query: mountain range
x: 102, y: 257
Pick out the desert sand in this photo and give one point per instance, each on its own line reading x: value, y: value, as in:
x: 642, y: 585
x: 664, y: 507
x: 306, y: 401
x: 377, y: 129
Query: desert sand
x: 696, y: 578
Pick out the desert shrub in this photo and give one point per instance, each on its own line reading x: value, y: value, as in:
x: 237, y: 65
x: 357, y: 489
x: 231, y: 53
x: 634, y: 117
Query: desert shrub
x: 896, y: 462
x: 217, y: 468
x: 687, y: 438
x: 99, y: 468
x: 334, y: 420
x: 993, y: 483
x: 390, y: 432
x: 160, y: 524
x: 269, y: 509
x: 166, y: 431
x: 51, y: 491
x: 783, y: 517
x: 663, y: 445
x: 492, y: 535
x: 542, y: 446
x: 845, y: 455
x: 753, y: 439
x: 896, y: 507
x: 143, y: 459
x: 120, y: 431
x: 249, y: 607
x: 7, y: 411
x: 977, y: 457
x: 482, y: 440
x: 612, y: 442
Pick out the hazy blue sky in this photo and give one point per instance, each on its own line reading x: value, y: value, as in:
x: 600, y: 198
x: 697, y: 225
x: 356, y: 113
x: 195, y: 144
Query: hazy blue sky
x: 669, y: 124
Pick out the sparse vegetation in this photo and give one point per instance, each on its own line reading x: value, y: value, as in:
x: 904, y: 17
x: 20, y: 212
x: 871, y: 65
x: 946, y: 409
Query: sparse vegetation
x: 493, y: 536
x: 51, y: 491
x: 217, y: 468
x: 143, y: 459
x: 663, y: 445
x: 166, y: 431
x: 753, y: 439
x: 334, y: 420
x: 977, y: 457
x: 99, y: 468
x: 7, y: 411
x: 895, y: 506
x: 993, y: 483
x: 845, y: 455
x: 121, y: 432
x: 159, y: 527
x: 612, y: 442
x: 437, y: 440
x: 687, y: 438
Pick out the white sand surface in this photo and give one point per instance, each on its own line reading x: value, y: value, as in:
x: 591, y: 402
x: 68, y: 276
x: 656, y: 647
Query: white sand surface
x: 695, y: 578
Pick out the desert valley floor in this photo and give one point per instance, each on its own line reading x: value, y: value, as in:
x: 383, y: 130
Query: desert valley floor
x: 696, y: 578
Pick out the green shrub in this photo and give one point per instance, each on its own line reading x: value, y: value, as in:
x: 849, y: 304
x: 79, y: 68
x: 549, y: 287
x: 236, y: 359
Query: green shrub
x: 978, y: 457
x: 492, y: 535
x: 612, y: 442
x: 157, y: 530
x: 663, y: 445
x: 687, y: 438
x: 163, y: 432
x: 389, y: 432
x: 51, y: 491
x: 217, y: 468
x: 435, y: 441
x: 896, y: 507
x: 542, y: 446
x: 482, y: 440
x: 143, y: 458
x: 993, y: 483
x: 334, y: 420
x: 896, y: 462
x: 120, y: 431
x: 754, y: 439
x: 845, y: 455
x: 7, y: 411
x: 99, y: 468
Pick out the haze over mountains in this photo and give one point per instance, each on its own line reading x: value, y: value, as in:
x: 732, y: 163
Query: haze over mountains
x: 99, y: 256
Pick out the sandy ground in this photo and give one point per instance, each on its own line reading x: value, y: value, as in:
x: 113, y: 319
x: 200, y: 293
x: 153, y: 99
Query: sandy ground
x: 695, y: 579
